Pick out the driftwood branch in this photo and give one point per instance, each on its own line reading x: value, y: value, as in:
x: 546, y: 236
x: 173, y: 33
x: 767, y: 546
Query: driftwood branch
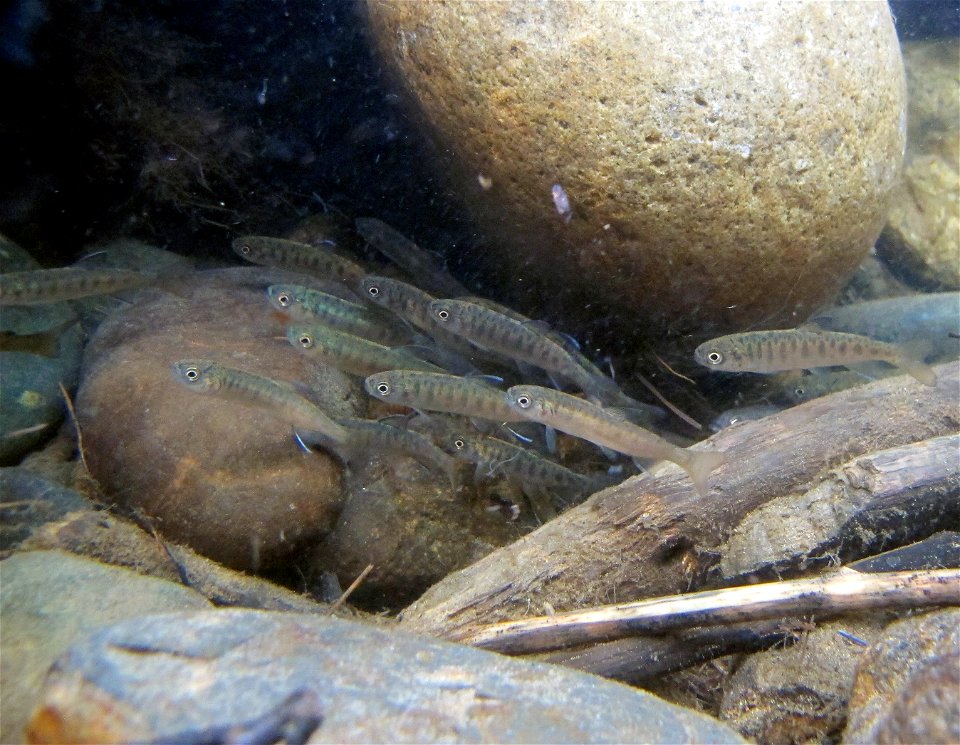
x: 840, y: 592
x: 653, y: 536
x: 638, y: 659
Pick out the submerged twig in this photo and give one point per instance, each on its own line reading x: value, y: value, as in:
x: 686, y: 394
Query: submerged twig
x: 842, y: 591
x: 679, y: 375
x: 353, y: 586
x: 76, y: 425
x: 663, y: 399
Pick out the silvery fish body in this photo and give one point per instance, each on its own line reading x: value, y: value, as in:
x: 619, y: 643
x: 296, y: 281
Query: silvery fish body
x: 418, y: 263
x: 367, y: 435
x: 609, y: 429
x: 353, y: 354
x: 498, y: 458
x: 302, y: 257
x: 207, y: 376
x: 518, y: 340
x: 929, y: 322
x: 42, y: 286
x: 412, y: 305
x: 802, y: 349
x: 306, y: 304
x: 440, y: 392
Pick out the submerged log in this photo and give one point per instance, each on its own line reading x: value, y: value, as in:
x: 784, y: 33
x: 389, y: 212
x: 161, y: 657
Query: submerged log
x: 653, y: 535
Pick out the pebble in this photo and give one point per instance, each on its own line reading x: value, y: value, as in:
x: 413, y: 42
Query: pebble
x: 921, y: 242
x: 27, y: 501
x: 907, y: 688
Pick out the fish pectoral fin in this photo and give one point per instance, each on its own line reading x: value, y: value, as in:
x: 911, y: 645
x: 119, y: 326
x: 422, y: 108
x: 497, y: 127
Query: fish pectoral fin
x: 309, y: 440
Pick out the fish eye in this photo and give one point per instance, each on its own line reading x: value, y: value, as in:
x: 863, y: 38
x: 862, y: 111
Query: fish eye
x: 443, y: 315
x: 373, y: 290
x: 799, y: 391
x: 283, y: 299
x: 191, y: 373
x: 383, y: 389
x: 305, y: 341
x: 243, y: 248
x: 459, y: 444
x: 524, y: 402
x: 714, y: 357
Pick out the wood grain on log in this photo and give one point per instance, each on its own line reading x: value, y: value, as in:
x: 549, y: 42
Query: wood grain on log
x: 652, y: 535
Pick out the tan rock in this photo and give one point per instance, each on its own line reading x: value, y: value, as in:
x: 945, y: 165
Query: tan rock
x: 921, y: 241
x: 906, y: 683
x: 222, y: 477
x: 726, y: 165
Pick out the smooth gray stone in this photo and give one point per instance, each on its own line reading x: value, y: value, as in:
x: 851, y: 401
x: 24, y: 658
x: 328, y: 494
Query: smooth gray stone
x: 30, y: 394
x: 28, y: 500
x: 53, y: 599
x: 186, y: 674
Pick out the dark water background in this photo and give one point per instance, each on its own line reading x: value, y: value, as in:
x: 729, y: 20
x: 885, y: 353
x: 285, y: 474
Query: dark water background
x: 185, y: 123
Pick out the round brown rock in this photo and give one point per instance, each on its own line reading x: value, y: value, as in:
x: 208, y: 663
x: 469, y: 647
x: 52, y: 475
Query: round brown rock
x: 225, y: 478
x: 726, y: 165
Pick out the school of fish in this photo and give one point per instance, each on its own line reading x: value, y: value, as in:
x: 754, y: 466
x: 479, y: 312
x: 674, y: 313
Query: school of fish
x: 488, y: 386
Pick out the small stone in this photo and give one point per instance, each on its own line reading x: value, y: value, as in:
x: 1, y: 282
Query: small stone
x: 906, y: 689
x: 413, y: 528
x: 798, y: 694
x: 164, y: 677
x: 51, y: 600
x: 921, y: 242
x: 27, y: 501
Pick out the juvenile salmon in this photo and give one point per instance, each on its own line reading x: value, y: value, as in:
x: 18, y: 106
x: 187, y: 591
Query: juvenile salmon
x: 305, y: 304
x: 609, y: 429
x: 42, y: 286
x: 522, y: 341
x: 368, y: 436
x: 418, y: 263
x: 412, y: 305
x: 206, y: 376
x: 353, y: 354
x: 301, y: 257
x: 439, y: 392
x: 498, y: 458
x: 803, y: 349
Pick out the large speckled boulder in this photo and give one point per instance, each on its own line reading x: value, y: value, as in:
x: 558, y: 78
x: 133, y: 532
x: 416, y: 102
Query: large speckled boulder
x: 225, y: 478
x: 725, y: 164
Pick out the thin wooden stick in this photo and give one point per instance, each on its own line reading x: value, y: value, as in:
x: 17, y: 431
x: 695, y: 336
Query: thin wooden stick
x: 842, y: 591
x: 679, y: 375
x: 663, y: 399
x: 76, y: 425
x: 353, y: 586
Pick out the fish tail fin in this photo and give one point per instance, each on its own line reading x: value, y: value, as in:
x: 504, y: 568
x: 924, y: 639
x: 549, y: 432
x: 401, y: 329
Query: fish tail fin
x: 700, y: 465
x: 918, y: 370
